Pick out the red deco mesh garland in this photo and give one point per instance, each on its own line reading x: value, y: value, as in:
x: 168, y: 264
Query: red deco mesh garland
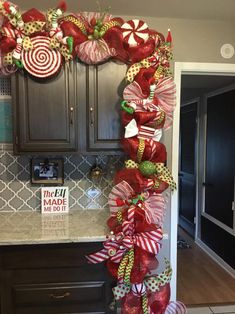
x: 40, y: 44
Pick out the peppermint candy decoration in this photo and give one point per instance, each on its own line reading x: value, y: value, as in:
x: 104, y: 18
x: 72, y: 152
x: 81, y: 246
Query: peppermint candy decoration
x: 138, y: 289
x: 135, y: 32
x: 176, y: 308
x: 41, y: 61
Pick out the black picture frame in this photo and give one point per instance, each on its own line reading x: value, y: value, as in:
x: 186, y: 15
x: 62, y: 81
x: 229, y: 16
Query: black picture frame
x: 47, y: 171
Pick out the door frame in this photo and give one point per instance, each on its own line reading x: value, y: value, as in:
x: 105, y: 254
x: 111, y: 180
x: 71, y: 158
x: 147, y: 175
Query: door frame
x: 180, y: 68
x: 184, y: 104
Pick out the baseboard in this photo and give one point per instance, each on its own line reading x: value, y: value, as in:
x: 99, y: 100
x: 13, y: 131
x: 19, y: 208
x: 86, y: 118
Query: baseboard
x: 215, y: 257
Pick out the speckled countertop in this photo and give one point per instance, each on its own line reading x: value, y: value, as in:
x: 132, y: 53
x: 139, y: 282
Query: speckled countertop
x: 35, y: 228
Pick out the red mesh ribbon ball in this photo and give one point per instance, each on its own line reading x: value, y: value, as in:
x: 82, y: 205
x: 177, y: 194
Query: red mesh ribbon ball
x: 7, y: 44
x: 131, y: 304
x: 7, y: 37
x: 152, y: 150
x: 113, y: 37
x: 159, y: 300
x: 70, y: 27
x: 142, y: 51
x: 143, y: 79
x: 144, y: 262
x: 134, y: 178
x: 33, y: 15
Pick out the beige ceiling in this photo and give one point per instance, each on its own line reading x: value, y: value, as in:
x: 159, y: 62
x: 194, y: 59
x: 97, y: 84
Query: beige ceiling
x: 188, y: 9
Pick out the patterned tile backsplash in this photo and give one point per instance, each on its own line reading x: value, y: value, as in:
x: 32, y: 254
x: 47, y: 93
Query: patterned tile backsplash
x: 18, y: 194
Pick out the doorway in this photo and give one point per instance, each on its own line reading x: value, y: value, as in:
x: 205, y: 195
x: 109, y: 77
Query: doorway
x: 206, y: 187
x: 189, y: 180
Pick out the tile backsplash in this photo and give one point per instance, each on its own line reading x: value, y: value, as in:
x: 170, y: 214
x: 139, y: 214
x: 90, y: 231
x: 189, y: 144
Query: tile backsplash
x: 18, y: 194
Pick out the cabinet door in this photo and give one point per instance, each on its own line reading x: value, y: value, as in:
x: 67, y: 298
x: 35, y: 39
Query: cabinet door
x: 44, y: 112
x: 54, y: 279
x: 105, y: 84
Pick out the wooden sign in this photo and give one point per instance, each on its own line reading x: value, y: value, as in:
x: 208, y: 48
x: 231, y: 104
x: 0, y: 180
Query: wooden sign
x: 54, y: 200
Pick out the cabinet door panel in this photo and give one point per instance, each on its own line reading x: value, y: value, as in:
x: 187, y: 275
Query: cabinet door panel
x: 106, y: 84
x: 54, y: 279
x: 82, y: 294
x: 57, y: 256
x: 44, y: 112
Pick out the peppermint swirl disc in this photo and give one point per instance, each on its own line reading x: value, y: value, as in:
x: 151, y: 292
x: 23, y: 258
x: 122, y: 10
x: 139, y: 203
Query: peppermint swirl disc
x: 135, y: 32
x: 41, y: 61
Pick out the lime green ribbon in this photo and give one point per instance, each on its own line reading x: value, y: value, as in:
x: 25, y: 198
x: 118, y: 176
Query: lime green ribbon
x: 152, y: 283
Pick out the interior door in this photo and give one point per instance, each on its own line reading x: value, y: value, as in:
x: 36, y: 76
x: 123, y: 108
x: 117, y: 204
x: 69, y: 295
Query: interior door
x: 187, y: 174
x: 219, y: 166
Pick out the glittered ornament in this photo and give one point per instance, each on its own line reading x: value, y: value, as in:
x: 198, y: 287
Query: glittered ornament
x: 147, y: 168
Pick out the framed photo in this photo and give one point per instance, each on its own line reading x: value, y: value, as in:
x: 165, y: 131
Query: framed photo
x: 47, y: 171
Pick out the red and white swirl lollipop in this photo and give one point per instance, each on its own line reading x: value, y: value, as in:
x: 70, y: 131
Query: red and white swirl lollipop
x: 135, y: 32
x: 41, y: 61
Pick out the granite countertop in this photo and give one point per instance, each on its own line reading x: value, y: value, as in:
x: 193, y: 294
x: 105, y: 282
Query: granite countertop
x: 34, y: 228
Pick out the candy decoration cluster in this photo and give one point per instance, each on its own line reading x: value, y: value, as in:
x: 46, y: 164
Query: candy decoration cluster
x: 40, y: 44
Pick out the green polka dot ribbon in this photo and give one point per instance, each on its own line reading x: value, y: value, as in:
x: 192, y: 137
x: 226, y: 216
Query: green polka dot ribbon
x: 152, y: 283
x: 164, y: 174
x: 149, y: 168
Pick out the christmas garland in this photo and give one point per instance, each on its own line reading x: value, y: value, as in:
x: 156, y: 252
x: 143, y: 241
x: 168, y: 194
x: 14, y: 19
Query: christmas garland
x: 40, y: 44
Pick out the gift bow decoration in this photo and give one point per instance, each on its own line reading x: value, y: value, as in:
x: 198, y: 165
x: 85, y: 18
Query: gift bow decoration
x: 164, y: 97
x: 118, y: 244
x: 122, y: 196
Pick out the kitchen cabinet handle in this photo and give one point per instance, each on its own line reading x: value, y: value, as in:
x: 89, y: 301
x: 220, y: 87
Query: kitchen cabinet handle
x: 59, y: 296
x: 91, y: 116
x: 71, y: 115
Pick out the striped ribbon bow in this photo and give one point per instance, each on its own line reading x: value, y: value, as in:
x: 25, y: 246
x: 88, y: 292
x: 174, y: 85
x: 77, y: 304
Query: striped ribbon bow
x: 118, y: 244
x: 153, y: 205
x: 142, y: 131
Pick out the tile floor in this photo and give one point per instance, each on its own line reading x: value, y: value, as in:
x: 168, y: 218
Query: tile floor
x: 219, y: 309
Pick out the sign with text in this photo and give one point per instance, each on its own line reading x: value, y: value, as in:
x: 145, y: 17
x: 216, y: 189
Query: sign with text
x: 54, y: 200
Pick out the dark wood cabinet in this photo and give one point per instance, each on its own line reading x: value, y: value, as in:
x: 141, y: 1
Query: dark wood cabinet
x: 79, y: 110
x: 54, y: 279
x: 45, y: 112
x: 100, y: 103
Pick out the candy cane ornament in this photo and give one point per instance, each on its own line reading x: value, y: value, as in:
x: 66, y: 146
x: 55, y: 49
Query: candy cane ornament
x: 56, y: 31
